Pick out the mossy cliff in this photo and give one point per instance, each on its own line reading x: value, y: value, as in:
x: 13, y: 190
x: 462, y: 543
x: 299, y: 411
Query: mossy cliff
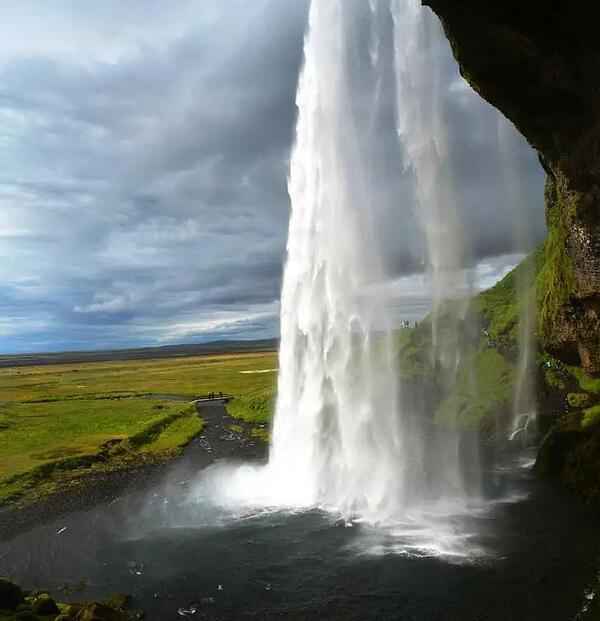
x: 538, y: 63
x: 479, y: 395
x: 483, y: 335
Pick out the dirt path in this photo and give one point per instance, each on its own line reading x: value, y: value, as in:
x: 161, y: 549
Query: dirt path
x: 223, y: 437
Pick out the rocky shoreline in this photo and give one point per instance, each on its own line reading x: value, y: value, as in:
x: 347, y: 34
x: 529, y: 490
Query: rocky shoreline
x: 19, y: 605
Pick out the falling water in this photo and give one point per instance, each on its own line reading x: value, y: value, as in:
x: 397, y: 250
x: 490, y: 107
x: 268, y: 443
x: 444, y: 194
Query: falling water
x: 344, y: 436
x: 523, y: 425
x: 419, y: 43
x: 422, y: 130
x: 337, y: 440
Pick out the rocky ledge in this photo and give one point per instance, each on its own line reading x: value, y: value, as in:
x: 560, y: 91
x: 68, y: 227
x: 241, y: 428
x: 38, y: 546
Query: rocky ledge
x: 19, y: 605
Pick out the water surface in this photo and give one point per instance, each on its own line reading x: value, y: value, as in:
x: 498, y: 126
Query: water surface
x: 527, y: 553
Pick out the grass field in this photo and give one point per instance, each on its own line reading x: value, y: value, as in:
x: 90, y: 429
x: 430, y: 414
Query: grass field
x: 59, y: 423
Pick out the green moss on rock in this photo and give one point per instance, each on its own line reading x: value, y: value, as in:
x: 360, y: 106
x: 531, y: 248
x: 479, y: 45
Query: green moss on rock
x: 570, y: 453
x: 554, y: 379
x: 556, y: 280
x: 591, y: 417
x: 578, y: 399
x: 585, y: 381
x: 483, y: 389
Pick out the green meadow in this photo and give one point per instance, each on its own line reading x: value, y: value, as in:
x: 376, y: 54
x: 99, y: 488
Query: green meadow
x: 59, y: 424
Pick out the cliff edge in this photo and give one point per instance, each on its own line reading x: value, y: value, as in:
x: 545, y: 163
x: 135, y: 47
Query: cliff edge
x: 539, y: 63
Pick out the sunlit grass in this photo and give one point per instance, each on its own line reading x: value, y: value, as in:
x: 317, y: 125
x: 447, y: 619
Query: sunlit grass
x: 55, y: 420
x: 43, y: 432
x: 183, y: 376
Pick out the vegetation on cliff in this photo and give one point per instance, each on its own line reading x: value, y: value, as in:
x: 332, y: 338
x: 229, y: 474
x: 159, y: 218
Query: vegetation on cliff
x: 570, y: 450
x: 499, y: 309
x: 555, y: 282
x: 478, y: 395
x: 482, y: 393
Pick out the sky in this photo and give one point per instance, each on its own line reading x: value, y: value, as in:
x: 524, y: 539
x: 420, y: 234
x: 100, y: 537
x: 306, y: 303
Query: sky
x: 144, y: 154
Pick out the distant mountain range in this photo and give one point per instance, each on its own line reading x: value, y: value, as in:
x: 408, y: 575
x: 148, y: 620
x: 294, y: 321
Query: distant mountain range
x: 167, y: 351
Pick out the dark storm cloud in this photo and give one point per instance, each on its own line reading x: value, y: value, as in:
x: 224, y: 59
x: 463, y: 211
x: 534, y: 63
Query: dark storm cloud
x: 143, y: 182
x: 143, y: 165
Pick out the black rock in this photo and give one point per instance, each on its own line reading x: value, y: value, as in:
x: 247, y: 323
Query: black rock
x: 10, y: 595
x: 100, y: 612
x: 119, y: 601
x: 44, y: 605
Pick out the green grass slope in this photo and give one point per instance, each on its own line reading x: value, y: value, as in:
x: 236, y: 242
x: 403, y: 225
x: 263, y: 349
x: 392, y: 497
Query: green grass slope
x: 61, y: 424
x: 485, y: 333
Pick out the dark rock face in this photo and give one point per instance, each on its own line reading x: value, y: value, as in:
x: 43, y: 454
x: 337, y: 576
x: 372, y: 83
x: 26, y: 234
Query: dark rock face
x: 572, y: 454
x: 539, y: 63
x: 10, y: 595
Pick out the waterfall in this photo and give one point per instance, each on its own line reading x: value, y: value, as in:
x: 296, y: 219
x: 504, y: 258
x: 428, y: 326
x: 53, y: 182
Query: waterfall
x: 419, y: 43
x: 524, y: 416
x: 337, y: 436
x: 419, y: 46
x: 345, y: 438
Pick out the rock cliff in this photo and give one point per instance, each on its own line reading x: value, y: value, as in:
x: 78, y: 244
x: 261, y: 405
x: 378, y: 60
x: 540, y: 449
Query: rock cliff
x: 539, y: 63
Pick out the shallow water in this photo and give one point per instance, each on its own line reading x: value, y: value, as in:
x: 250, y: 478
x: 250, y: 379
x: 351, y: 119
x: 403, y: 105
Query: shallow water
x: 527, y: 552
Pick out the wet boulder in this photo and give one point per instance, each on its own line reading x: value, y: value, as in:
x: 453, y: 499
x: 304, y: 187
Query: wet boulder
x: 10, y: 595
x: 44, y: 605
x: 72, y: 610
x: 100, y: 612
x: 119, y: 601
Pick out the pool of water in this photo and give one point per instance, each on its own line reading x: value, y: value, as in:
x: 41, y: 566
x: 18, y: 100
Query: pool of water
x: 526, y: 552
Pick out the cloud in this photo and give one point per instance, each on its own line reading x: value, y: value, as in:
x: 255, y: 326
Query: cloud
x: 222, y: 322
x: 144, y: 164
